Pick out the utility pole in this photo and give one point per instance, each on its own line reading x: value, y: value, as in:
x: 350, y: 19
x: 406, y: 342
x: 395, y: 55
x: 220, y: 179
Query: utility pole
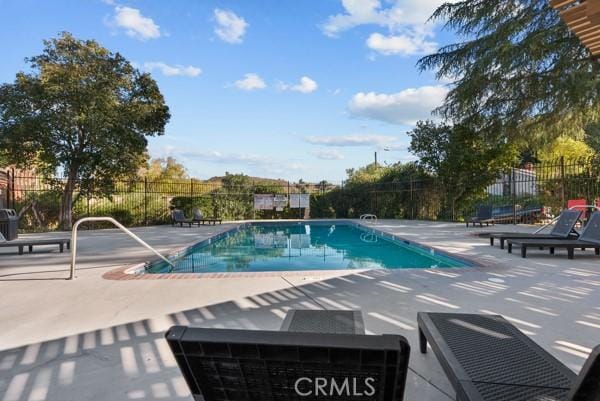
x: 375, y: 158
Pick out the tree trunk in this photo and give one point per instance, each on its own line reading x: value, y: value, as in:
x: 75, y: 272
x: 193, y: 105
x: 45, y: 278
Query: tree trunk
x: 66, y: 201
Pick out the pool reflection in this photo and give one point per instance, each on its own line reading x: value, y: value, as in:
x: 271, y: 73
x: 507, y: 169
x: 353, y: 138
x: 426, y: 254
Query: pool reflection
x: 294, y: 247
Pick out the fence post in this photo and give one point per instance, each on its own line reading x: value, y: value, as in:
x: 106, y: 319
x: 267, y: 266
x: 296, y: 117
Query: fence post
x: 12, y: 187
x: 513, y: 190
x: 88, y: 204
x: 562, y: 181
x: 7, y: 197
x: 145, y: 200
x: 412, y: 201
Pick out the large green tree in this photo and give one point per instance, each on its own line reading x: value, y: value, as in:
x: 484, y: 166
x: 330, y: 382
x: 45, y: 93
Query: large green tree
x: 519, y: 73
x: 567, y: 148
x: 592, y: 137
x: 83, y: 111
x: 461, y: 159
x: 163, y: 169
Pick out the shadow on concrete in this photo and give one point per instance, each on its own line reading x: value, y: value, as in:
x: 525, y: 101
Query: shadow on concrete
x: 132, y: 361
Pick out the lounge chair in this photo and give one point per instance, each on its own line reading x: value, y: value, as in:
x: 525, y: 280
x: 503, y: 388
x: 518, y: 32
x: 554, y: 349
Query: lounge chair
x: 582, y: 205
x: 30, y: 243
x: 178, y: 217
x: 485, y: 357
x: 483, y: 214
x: 504, y: 213
x: 563, y: 229
x: 310, y: 357
x: 199, y: 218
x: 589, y: 238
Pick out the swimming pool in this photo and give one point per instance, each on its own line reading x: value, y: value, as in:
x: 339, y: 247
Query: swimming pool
x: 260, y: 247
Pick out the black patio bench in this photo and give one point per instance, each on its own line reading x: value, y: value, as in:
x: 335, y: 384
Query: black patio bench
x: 589, y: 238
x: 569, y: 245
x: 22, y: 243
x: 314, y: 348
x: 199, y: 218
x: 564, y: 228
x: 486, y: 358
x: 483, y: 214
x: 178, y: 217
x: 208, y: 221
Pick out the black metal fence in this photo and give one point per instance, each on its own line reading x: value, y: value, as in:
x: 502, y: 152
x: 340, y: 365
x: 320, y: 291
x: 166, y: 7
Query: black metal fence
x: 4, y: 185
x: 526, y: 194
x: 529, y: 194
x: 144, y: 202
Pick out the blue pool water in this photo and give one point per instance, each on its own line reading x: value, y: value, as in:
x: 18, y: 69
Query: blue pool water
x: 315, y: 246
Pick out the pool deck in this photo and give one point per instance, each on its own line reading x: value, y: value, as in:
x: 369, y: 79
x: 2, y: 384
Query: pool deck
x: 99, y: 339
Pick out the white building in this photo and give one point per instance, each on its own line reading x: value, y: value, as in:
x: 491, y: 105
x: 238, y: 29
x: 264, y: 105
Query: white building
x: 518, y: 182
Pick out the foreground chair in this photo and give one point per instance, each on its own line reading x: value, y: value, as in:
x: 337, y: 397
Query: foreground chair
x: 563, y: 229
x: 487, y: 358
x: 483, y: 214
x: 318, y: 357
x: 178, y: 217
x: 198, y: 218
x: 589, y: 238
x: 30, y: 243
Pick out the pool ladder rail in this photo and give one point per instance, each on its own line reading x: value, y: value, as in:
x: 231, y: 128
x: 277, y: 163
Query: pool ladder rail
x: 118, y: 225
x: 368, y: 218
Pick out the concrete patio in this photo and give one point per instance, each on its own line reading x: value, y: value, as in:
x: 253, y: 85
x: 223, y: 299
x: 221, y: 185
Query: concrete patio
x: 99, y: 339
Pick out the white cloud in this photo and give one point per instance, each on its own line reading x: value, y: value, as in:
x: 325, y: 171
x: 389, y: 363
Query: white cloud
x: 352, y: 140
x: 400, y: 44
x: 173, y: 70
x: 306, y: 85
x: 249, y: 162
x: 357, y: 12
x: 226, y: 158
x: 370, y: 12
x: 250, y: 82
x: 406, y: 21
x: 404, y: 107
x: 231, y: 28
x: 135, y: 24
x: 329, y: 154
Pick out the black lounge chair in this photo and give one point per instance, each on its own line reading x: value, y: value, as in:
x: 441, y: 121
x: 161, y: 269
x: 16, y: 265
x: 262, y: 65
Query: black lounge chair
x: 589, y: 238
x: 30, y: 243
x: 563, y: 229
x: 199, y: 218
x: 250, y: 365
x: 486, y: 358
x: 178, y: 217
x: 483, y: 214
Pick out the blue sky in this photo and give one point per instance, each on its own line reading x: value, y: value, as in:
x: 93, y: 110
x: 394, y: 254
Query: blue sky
x: 279, y: 88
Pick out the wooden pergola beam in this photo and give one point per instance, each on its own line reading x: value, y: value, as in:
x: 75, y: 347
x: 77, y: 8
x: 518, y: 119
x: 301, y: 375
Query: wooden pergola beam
x: 586, y: 32
x: 560, y: 3
x: 583, y: 19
